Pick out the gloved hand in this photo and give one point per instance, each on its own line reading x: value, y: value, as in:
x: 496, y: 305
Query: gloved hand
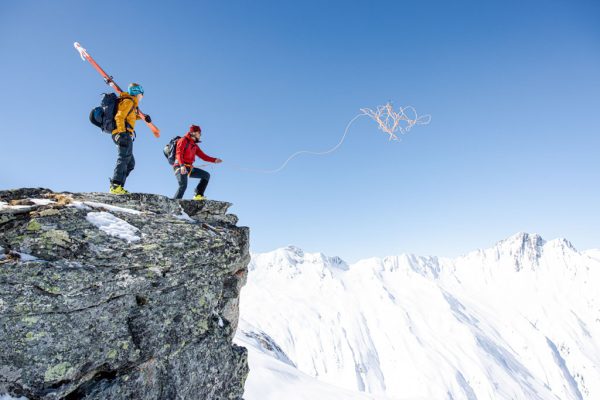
x: 147, y: 118
x: 183, y: 170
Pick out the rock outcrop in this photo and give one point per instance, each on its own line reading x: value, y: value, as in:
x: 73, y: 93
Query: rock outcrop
x: 119, y: 297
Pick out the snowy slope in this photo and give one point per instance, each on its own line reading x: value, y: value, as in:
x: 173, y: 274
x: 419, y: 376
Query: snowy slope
x: 520, y: 320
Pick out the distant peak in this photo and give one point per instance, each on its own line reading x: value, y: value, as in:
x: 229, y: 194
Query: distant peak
x: 522, y: 242
x: 294, y: 249
x: 295, y: 255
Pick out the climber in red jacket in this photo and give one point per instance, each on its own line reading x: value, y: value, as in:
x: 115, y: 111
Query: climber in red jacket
x: 187, y: 150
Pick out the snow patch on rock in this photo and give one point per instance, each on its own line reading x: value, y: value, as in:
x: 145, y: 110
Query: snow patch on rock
x: 114, y: 226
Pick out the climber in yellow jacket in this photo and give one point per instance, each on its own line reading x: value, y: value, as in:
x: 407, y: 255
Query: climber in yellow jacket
x: 124, y: 135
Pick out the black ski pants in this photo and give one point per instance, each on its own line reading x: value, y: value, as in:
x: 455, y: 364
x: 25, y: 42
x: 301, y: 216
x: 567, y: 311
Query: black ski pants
x: 182, y: 180
x: 125, y: 159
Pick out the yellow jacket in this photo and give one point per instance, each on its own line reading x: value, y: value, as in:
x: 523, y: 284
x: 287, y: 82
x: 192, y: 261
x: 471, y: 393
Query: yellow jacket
x: 126, y: 114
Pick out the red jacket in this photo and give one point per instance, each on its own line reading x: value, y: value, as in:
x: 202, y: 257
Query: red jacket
x: 187, y: 150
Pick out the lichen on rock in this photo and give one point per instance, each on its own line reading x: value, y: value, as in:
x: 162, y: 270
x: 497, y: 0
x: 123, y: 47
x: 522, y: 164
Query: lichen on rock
x: 87, y: 314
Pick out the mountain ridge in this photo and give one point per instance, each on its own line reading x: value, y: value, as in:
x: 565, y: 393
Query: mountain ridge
x: 519, y: 244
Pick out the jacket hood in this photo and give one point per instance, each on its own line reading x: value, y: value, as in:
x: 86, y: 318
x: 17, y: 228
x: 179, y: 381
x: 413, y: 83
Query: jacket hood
x: 125, y: 95
x: 189, y: 137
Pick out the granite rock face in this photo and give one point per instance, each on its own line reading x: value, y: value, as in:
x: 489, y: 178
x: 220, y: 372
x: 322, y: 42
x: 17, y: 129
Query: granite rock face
x: 119, y: 297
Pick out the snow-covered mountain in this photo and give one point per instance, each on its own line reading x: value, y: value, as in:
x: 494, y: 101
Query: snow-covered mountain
x: 520, y: 320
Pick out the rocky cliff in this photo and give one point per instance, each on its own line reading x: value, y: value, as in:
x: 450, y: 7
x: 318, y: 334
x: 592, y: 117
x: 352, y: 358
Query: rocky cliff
x: 119, y: 297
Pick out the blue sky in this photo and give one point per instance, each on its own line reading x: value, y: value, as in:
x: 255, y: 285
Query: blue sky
x: 513, y: 88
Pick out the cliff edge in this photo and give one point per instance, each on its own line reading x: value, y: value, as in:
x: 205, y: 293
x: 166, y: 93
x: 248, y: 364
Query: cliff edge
x: 119, y: 297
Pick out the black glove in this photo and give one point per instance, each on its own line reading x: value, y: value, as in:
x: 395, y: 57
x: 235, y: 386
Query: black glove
x: 147, y: 118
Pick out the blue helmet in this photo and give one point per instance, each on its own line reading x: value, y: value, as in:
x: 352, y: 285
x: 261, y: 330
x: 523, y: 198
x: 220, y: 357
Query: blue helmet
x: 135, y: 89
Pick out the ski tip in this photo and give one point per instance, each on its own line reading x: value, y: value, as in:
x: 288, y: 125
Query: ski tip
x: 81, y: 50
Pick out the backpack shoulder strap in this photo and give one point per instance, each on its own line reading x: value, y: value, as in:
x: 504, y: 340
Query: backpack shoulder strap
x: 122, y: 99
x: 187, y: 143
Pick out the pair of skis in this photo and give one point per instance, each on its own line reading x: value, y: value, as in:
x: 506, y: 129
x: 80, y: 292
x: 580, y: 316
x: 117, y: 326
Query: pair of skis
x: 109, y: 80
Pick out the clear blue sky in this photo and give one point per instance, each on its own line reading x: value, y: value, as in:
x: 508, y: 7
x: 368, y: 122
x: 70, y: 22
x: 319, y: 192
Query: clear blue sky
x: 513, y: 88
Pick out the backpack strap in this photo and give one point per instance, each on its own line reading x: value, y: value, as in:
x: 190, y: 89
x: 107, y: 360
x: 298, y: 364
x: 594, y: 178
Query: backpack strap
x: 184, y: 149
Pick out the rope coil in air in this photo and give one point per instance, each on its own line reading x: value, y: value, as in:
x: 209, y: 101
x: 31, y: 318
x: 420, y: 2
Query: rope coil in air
x: 389, y: 121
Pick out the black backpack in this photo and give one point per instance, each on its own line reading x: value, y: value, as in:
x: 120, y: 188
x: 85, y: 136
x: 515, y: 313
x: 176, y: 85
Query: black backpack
x: 103, y: 116
x: 170, y: 150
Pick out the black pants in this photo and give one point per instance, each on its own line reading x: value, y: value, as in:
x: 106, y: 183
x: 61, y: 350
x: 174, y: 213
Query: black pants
x: 125, y: 160
x: 183, y: 181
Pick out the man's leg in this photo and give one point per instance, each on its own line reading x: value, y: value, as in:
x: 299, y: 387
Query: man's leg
x: 124, y: 144
x: 204, y: 178
x: 182, y: 181
x: 130, y: 165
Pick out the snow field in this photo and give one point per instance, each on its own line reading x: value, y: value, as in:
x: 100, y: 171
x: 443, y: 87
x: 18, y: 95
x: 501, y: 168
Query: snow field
x: 520, y: 320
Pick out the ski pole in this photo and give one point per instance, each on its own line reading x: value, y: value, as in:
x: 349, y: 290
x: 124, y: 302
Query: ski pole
x: 109, y: 81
